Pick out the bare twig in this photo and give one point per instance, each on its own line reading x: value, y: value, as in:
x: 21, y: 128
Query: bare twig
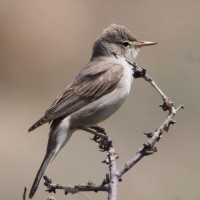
x: 74, y: 188
x: 24, y: 194
x: 114, y: 178
x: 139, y: 72
x: 105, y: 143
x: 148, y: 148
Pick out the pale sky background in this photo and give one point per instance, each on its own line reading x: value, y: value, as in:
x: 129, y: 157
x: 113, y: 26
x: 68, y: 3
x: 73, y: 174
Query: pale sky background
x: 45, y: 43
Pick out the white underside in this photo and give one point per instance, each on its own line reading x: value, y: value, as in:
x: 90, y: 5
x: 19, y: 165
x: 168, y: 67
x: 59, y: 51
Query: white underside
x: 102, y: 108
x: 98, y: 110
x: 63, y: 133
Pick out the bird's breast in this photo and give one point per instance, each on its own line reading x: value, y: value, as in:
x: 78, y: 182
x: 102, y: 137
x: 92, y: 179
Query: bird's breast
x: 102, y: 108
x: 127, y: 79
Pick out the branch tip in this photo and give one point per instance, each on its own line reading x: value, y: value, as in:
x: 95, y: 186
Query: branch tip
x: 24, y: 194
x: 180, y: 107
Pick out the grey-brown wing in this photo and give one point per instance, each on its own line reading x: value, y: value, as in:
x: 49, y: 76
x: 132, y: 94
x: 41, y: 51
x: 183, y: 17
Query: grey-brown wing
x: 81, y: 92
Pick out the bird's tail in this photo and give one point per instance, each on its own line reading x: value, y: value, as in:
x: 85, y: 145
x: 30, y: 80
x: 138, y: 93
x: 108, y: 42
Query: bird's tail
x: 40, y: 122
x: 59, y: 134
x: 47, y: 159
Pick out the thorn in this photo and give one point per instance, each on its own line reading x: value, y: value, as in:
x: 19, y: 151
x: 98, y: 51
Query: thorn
x: 181, y: 106
x: 147, y: 153
x: 90, y: 183
x: 159, y: 137
x: 66, y: 193
x: 146, y: 145
x: 152, y: 150
x: 164, y: 106
x: 166, y: 127
x: 172, y: 121
x: 51, y: 198
x: 50, y: 190
x: 47, y: 180
x: 149, y: 134
x: 116, y: 156
x: 106, y: 161
x: 106, y: 180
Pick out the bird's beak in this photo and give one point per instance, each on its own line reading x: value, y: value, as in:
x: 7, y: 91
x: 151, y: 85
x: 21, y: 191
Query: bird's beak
x: 145, y: 43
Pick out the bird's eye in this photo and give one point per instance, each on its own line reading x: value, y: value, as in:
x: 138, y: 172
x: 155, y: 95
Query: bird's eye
x: 125, y: 43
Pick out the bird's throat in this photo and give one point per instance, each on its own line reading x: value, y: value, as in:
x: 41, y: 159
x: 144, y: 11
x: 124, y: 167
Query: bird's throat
x: 132, y: 54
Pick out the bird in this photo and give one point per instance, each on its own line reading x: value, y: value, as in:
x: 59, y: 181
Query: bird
x: 96, y: 93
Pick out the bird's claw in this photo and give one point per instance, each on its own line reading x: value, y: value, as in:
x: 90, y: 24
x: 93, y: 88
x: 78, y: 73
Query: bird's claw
x: 99, y: 129
x: 105, y: 143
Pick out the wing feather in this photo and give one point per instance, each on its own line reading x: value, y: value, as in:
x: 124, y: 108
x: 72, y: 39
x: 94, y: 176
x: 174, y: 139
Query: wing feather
x: 86, y: 88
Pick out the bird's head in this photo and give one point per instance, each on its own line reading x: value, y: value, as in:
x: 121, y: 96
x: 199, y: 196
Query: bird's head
x: 119, y: 41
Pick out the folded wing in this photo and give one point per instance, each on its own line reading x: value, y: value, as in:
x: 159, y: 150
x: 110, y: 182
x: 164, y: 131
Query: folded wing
x: 92, y: 83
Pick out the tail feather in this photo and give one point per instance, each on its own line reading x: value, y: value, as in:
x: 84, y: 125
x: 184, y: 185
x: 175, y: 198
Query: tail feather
x: 47, y: 159
x: 38, y: 123
x: 59, y: 134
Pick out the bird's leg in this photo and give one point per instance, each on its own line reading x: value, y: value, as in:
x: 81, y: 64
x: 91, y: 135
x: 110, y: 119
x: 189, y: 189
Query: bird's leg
x: 98, y: 129
x: 105, y: 142
x: 99, y: 136
x: 89, y: 130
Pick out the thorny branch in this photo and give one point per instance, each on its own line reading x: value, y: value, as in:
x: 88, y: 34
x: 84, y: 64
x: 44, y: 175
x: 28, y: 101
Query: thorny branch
x: 110, y: 183
x: 74, y: 188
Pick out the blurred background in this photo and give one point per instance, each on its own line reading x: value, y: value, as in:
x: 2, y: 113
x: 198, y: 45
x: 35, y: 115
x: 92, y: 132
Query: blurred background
x: 44, y: 44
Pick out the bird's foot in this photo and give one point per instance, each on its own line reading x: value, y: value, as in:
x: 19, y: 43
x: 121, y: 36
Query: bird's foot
x: 138, y: 71
x: 104, y: 141
x: 99, y: 129
x: 100, y: 137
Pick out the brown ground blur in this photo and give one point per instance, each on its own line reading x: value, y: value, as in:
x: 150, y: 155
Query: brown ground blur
x: 44, y: 44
